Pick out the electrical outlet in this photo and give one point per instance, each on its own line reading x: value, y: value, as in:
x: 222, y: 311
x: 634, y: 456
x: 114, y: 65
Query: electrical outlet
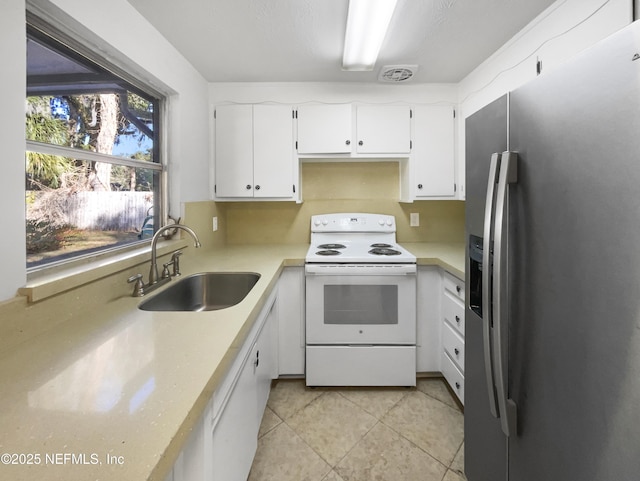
x: 414, y: 219
x: 215, y: 224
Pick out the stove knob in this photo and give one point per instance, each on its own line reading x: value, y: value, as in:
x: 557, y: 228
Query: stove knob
x: 389, y: 222
x: 325, y: 222
x: 316, y: 222
x: 381, y: 222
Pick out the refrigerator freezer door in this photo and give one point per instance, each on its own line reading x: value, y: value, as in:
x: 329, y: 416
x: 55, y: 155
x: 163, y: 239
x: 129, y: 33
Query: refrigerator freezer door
x: 575, y: 275
x: 485, y: 445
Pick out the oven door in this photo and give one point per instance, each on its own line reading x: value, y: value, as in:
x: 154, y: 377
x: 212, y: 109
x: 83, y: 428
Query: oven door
x: 361, y: 304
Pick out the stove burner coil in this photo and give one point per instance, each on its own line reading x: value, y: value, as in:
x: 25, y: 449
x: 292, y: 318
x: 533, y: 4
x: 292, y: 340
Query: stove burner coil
x: 332, y: 246
x: 384, y: 251
x: 328, y: 252
x: 380, y: 244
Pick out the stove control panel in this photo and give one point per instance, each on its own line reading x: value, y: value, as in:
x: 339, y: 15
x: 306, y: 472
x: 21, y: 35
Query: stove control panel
x: 353, y: 223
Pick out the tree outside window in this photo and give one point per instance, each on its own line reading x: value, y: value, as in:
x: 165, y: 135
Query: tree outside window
x: 92, y: 167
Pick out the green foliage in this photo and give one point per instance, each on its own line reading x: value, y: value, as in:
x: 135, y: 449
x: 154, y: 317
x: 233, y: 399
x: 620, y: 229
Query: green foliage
x: 142, y: 108
x: 40, y: 126
x: 43, y: 237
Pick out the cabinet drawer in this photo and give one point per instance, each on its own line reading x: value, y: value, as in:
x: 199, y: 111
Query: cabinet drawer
x: 453, y: 312
x: 453, y: 344
x: 453, y: 376
x: 454, y: 285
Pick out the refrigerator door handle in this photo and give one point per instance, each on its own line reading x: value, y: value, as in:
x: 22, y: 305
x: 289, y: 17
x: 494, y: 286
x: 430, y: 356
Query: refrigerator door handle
x: 487, y: 298
x: 508, y: 175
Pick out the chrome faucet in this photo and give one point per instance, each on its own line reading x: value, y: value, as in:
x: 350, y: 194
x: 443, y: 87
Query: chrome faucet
x: 153, y: 272
x: 140, y: 288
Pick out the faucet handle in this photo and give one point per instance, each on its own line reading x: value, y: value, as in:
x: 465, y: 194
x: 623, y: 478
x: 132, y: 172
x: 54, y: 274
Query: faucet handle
x: 165, y: 271
x: 138, y: 288
x: 137, y: 277
x: 175, y: 259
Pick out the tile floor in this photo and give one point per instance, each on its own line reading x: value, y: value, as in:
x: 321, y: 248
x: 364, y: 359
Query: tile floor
x: 360, y: 434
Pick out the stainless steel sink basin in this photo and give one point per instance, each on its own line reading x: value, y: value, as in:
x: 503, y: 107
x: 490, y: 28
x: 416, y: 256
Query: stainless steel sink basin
x: 206, y: 291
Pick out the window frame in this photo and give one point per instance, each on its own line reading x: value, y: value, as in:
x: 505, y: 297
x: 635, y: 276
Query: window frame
x: 80, y: 50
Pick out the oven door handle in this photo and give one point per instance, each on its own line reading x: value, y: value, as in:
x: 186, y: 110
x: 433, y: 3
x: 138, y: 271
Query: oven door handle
x: 360, y: 269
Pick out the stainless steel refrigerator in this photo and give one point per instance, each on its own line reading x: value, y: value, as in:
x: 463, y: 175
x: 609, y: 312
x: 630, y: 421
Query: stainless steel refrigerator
x: 552, y: 370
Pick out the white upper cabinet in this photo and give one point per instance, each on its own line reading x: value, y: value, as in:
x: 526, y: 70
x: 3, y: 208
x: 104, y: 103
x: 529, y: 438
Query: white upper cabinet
x: 234, y: 151
x: 254, y: 155
x: 273, y: 155
x: 433, y: 153
x: 324, y: 129
x: 374, y: 130
x: 383, y: 129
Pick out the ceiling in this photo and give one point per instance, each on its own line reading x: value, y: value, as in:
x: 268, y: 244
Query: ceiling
x: 302, y: 40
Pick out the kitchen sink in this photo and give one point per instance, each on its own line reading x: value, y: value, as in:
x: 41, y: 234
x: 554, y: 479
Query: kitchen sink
x: 206, y: 291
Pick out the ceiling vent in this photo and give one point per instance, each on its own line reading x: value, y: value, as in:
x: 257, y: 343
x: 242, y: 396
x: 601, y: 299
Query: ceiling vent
x: 397, y: 73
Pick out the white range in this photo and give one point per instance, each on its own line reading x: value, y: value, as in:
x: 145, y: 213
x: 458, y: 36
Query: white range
x: 360, y: 303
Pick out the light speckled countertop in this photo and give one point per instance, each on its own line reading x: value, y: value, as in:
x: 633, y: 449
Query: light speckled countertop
x: 448, y: 256
x: 118, y: 381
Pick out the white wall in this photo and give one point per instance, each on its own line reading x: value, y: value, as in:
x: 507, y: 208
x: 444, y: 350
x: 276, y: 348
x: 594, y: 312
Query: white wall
x: 123, y: 34
x: 296, y: 93
x: 13, y: 86
x: 120, y: 33
x: 564, y: 29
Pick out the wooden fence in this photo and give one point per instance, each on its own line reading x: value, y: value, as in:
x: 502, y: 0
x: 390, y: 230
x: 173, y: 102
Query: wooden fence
x: 117, y: 211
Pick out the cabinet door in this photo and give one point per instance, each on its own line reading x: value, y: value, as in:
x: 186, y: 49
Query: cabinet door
x: 291, y: 312
x: 432, y: 157
x: 234, y: 151
x: 324, y: 129
x: 191, y: 462
x: 383, y: 129
x: 235, y: 436
x: 264, y: 362
x: 429, y: 320
x: 273, y: 158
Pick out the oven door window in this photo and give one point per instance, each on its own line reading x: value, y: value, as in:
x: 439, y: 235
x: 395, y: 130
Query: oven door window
x: 361, y: 304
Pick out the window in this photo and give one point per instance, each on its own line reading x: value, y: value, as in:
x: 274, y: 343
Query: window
x: 93, y: 173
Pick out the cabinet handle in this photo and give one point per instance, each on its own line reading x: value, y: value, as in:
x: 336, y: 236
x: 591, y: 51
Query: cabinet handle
x: 457, y: 351
x: 257, y: 187
x: 348, y: 142
x: 458, y: 386
x: 419, y: 186
x: 361, y: 143
x: 458, y: 289
x: 457, y: 319
x: 248, y: 186
x: 257, y: 363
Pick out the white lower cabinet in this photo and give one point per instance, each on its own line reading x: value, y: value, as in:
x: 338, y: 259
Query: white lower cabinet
x: 440, y: 341
x: 235, y: 420
x: 453, y: 375
x: 234, y: 438
x: 429, y: 322
x: 223, y: 443
x: 291, y: 311
x: 452, y: 351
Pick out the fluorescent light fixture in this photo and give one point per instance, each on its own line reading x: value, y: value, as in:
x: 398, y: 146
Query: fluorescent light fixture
x: 367, y: 25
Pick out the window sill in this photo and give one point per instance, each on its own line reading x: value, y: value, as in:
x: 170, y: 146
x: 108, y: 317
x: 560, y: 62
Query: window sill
x: 48, y: 284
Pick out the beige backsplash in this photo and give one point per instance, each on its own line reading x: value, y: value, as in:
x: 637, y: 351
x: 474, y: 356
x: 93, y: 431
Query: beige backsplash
x: 328, y: 187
